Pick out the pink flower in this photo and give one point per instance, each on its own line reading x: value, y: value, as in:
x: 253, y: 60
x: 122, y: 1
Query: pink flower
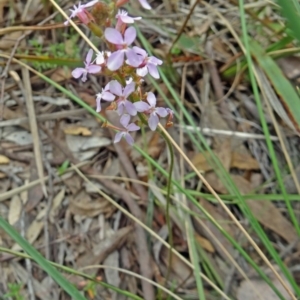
x: 89, y: 68
x: 116, y: 88
x: 145, y: 4
x: 148, y: 64
x: 81, y: 12
x: 128, y: 128
x: 104, y: 95
x: 152, y: 110
x: 116, y: 59
x: 122, y: 16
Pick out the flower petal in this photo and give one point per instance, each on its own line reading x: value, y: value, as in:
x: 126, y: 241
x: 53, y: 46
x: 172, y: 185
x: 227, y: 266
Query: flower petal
x: 145, y: 4
x: 141, y: 106
x: 98, y: 103
x: 140, y: 51
x: 115, y: 87
x: 151, y: 99
x: 76, y: 73
x: 116, y: 60
x: 133, y: 127
x: 129, y: 88
x: 130, y: 108
x: 113, y: 36
x: 126, y: 19
x: 89, y: 56
x: 153, y: 121
x: 124, y: 120
x: 129, y: 139
x: 154, y: 60
x: 89, y: 4
x: 118, y: 136
x: 107, y: 96
x: 161, y: 111
x: 129, y: 35
x: 100, y: 59
x: 134, y: 59
x: 153, y: 71
x: 93, y: 69
x: 142, y: 71
x: 120, y: 109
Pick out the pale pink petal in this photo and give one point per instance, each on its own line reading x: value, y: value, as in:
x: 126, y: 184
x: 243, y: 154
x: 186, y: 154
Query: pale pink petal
x: 129, y: 139
x: 76, y: 73
x: 140, y: 51
x: 126, y: 19
x: 134, y: 59
x: 155, y: 61
x: 161, y: 111
x: 120, y: 109
x: 118, y: 136
x: 145, y: 4
x: 142, y: 71
x: 153, y: 71
x: 153, y: 121
x: 84, y: 77
x: 89, y: 4
x: 124, y: 120
x: 129, y: 35
x: 151, y: 99
x: 93, y: 69
x: 141, y: 106
x: 100, y: 58
x: 116, y: 60
x: 107, y: 96
x: 130, y: 108
x: 115, y: 87
x: 133, y: 127
x: 89, y: 56
x: 129, y: 88
x: 98, y: 103
x: 113, y: 36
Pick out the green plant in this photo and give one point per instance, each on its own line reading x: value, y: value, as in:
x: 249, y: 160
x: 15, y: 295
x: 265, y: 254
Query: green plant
x: 14, y: 291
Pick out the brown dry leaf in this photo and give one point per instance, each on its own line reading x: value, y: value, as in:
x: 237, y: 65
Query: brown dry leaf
x: 34, y: 229
x: 61, y: 74
x: 216, y: 182
x: 15, y: 209
x: 82, y: 205
x: 9, y: 40
x: 77, y: 130
x: 88, y: 98
x: 245, y: 290
x: 35, y: 194
x: 200, y: 162
x: 223, y: 151
x: 244, y: 161
x: 179, y: 270
x: 267, y: 213
x: 4, y: 160
x: 56, y: 204
x: 101, y: 251
x: 205, y: 244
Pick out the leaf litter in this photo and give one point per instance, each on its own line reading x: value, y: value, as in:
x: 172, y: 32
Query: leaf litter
x: 77, y: 227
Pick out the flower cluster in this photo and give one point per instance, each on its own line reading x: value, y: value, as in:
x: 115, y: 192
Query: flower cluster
x: 125, y: 64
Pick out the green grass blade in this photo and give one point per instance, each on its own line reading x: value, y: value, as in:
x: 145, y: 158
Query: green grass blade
x: 41, y: 261
x: 291, y: 11
x: 264, y: 238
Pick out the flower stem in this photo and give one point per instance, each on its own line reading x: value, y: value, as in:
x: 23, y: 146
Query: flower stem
x: 168, y: 202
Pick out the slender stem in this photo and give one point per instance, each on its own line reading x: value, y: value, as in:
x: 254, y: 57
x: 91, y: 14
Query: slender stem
x: 168, y: 201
